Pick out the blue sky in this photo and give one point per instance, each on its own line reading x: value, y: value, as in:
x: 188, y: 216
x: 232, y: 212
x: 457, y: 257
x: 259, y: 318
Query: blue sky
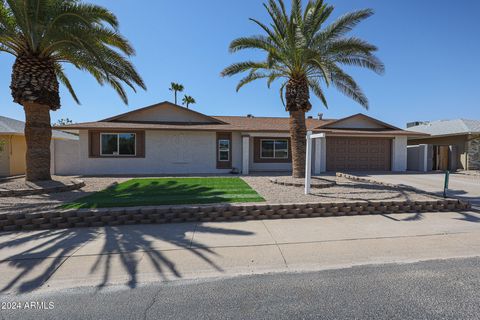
x: 430, y: 49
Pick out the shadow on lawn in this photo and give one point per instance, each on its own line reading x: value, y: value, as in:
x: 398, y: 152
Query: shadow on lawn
x: 39, y: 254
x: 170, y: 192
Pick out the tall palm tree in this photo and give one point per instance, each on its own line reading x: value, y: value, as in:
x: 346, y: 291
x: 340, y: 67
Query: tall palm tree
x: 176, y: 87
x: 187, y: 100
x: 43, y: 35
x: 305, y: 55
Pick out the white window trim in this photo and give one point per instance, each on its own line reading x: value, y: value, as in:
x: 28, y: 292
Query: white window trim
x: 273, y: 157
x: 229, y: 147
x: 118, y: 144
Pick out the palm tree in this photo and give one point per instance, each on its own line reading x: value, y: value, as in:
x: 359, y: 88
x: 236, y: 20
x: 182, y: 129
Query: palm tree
x: 187, y: 100
x: 305, y: 55
x: 176, y: 87
x: 43, y: 35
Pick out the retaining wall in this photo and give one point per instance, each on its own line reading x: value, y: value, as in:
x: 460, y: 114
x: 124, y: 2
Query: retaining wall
x: 176, y: 214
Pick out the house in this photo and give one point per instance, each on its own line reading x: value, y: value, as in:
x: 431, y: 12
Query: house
x: 168, y: 139
x: 13, y: 146
x: 452, y: 144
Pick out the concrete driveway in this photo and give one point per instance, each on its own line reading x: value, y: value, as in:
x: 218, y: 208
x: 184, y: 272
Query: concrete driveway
x: 461, y: 186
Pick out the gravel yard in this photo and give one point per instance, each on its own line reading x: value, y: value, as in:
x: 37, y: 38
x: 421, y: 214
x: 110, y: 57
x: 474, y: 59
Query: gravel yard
x: 46, y: 201
x: 345, y: 190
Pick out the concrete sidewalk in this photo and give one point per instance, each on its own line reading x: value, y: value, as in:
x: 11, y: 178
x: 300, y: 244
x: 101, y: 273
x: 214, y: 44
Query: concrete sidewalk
x: 131, y: 255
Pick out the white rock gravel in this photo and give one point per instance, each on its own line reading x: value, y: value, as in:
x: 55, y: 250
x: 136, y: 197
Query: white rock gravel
x: 345, y: 190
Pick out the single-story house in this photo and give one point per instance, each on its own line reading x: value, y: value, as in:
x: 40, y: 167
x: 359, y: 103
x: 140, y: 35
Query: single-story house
x: 452, y: 144
x: 168, y: 139
x: 13, y: 146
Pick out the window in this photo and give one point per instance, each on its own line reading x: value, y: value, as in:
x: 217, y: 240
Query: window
x: 117, y: 144
x: 223, y: 150
x: 274, y: 149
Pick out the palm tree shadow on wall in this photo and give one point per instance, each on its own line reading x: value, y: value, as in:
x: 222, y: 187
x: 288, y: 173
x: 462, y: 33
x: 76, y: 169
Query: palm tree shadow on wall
x: 48, y: 250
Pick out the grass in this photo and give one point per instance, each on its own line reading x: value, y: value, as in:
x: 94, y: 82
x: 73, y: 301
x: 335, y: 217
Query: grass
x: 169, y: 191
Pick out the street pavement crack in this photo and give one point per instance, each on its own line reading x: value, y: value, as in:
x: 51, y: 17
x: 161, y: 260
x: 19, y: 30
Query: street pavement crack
x: 154, y: 300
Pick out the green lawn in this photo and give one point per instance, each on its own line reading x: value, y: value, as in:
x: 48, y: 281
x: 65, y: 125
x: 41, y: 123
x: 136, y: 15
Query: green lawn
x: 165, y: 191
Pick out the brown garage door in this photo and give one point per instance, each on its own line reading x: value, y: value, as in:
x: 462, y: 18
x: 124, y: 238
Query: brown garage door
x: 358, y: 154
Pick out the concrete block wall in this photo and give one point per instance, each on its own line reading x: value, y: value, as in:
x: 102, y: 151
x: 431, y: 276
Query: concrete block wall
x: 145, y: 215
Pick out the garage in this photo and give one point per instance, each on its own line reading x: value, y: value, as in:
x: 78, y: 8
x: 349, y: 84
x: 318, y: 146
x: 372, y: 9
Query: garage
x: 358, y: 154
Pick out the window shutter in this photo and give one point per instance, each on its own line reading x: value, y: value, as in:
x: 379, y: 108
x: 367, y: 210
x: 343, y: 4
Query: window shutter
x: 94, y: 144
x: 140, y: 144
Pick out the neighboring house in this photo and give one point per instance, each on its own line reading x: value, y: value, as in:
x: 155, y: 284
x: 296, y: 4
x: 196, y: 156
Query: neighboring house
x: 169, y: 139
x: 452, y: 145
x: 12, y: 156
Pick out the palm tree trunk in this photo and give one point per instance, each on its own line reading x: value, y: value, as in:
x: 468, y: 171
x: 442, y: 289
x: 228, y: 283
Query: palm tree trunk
x: 175, y: 97
x: 35, y: 86
x: 297, y: 96
x: 298, y: 132
x: 38, y: 134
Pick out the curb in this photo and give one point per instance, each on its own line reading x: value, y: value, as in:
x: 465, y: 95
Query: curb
x: 76, y: 218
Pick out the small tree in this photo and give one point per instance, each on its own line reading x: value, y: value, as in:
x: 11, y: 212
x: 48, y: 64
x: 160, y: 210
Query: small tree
x: 187, y: 100
x: 63, y: 122
x: 176, y: 87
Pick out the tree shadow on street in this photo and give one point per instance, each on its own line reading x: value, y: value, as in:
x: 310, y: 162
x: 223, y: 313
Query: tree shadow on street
x: 38, y: 255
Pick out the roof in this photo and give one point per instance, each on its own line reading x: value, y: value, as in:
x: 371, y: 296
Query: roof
x: 364, y: 116
x: 156, y: 105
x: 231, y: 123
x: 449, y: 127
x: 11, y: 126
x: 234, y: 123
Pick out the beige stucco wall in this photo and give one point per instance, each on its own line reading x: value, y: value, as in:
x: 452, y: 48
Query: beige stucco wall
x: 12, y: 158
x: 166, y: 113
x: 166, y: 152
x: 5, y: 156
x: 459, y: 141
x: 18, y: 148
x: 66, y: 157
x: 357, y: 123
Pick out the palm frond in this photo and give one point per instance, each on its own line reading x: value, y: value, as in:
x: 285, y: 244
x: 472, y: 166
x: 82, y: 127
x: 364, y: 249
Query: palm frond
x: 298, y: 47
x: 70, y: 31
x: 346, y: 23
x: 62, y: 77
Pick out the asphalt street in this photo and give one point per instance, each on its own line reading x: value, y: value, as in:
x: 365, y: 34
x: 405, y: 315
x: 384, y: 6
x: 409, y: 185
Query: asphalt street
x: 441, y: 289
